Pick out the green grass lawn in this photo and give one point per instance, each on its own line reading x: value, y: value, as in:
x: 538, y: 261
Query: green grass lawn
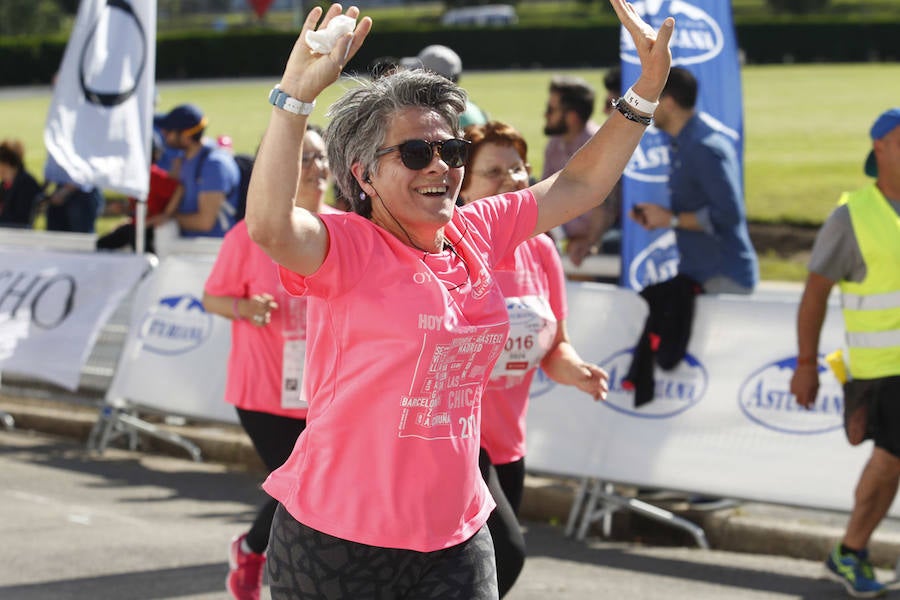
x: 806, y: 125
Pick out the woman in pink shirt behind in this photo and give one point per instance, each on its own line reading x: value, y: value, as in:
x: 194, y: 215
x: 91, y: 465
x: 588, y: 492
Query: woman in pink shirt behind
x: 268, y: 338
x: 535, y: 294
x: 382, y: 496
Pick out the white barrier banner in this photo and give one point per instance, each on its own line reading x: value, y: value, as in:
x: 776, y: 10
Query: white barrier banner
x: 175, y: 357
x: 53, y: 305
x: 722, y: 423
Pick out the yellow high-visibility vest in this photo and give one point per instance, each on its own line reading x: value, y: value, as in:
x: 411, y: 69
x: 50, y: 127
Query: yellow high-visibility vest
x: 872, y: 307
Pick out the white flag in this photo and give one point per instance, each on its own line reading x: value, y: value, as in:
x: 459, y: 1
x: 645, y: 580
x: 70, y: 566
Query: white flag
x: 99, y: 123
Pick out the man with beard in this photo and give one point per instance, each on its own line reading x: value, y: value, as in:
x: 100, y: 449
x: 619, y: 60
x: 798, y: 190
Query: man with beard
x: 567, y: 120
x: 599, y: 231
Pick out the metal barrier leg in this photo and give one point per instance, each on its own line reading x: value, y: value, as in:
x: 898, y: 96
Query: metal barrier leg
x: 114, y: 422
x: 590, y: 515
x: 606, y: 527
x: 103, y: 428
x: 648, y: 510
x: 138, y: 425
x: 578, y: 502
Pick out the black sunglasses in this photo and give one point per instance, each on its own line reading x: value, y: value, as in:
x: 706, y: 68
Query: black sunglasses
x: 417, y: 154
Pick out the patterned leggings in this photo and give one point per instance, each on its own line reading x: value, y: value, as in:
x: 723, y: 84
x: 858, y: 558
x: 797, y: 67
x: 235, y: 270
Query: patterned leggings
x: 305, y: 564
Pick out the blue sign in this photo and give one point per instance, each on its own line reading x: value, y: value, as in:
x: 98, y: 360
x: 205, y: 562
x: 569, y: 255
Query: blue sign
x: 704, y: 43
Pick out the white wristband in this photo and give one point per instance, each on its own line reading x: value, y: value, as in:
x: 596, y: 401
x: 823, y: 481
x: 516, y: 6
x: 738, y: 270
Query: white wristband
x: 638, y: 103
x: 289, y: 103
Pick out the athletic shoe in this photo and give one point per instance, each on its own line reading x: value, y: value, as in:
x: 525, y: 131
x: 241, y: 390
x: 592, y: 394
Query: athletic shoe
x: 245, y: 572
x: 855, y: 572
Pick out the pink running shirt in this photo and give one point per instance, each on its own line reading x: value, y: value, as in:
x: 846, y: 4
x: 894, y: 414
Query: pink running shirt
x: 535, y: 295
x: 255, y: 374
x: 400, y: 346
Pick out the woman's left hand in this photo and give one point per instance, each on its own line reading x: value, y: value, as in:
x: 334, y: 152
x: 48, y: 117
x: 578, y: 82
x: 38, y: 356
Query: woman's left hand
x: 261, y: 307
x: 594, y: 381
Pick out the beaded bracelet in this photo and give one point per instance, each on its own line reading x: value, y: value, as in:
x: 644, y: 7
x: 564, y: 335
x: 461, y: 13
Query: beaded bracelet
x: 235, y: 311
x: 628, y: 112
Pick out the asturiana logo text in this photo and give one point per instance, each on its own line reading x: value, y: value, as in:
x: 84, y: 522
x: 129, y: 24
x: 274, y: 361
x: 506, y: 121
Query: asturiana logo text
x: 765, y: 399
x: 698, y: 38
x: 175, y: 325
x: 675, y: 391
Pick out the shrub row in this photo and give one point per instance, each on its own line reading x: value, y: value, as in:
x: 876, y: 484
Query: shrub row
x: 33, y: 60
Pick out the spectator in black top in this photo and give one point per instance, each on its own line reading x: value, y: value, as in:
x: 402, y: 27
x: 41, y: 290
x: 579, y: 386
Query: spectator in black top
x: 18, y: 188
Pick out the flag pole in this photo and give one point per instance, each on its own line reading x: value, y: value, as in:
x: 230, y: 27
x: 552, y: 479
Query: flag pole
x: 140, y: 217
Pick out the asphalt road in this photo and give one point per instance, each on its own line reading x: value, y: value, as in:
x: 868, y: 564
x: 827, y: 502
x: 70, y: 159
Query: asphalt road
x: 134, y: 526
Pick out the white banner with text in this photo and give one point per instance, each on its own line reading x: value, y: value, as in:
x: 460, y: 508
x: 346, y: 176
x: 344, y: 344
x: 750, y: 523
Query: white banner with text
x: 53, y: 305
x: 175, y: 357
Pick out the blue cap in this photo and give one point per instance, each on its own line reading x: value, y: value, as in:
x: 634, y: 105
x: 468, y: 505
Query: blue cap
x: 884, y: 124
x: 185, y: 117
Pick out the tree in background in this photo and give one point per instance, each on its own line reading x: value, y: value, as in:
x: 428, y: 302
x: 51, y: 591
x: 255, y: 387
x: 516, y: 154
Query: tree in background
x: 23, y: 17
x: 462, y: 3
x: 797, y: 7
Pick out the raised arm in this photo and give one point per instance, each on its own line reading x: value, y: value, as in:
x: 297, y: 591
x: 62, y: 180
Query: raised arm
x: 295, y: 237
x: 591, y: 173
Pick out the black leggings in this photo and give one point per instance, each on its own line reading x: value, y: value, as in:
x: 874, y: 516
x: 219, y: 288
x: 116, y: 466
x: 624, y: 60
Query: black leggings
x: 273, y: 436
x: 505, y: 483
x: 304, y: 563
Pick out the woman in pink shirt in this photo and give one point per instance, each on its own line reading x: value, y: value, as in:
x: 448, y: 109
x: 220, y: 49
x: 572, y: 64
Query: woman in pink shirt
x: 535, y: 295
x: 268, y: 337
x: 382, y: 496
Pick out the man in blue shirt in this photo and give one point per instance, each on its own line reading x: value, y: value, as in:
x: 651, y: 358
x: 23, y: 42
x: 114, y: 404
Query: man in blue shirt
x: 706, y: 195
x: 210, y: 176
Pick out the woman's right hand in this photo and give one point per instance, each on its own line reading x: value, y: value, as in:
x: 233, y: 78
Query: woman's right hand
x: 308, y: 73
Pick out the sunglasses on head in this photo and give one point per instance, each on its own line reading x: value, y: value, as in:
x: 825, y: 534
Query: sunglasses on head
x: 417, y: 154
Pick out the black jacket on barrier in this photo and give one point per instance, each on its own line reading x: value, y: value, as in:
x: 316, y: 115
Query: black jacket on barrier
x: 666, y: 333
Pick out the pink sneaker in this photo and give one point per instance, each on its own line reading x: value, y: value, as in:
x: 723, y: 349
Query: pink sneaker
x: 245, y: 572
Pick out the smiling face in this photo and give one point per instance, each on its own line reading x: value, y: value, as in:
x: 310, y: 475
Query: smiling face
x: 314, y: 174
x: 413, y: 205
x: 495, y: 169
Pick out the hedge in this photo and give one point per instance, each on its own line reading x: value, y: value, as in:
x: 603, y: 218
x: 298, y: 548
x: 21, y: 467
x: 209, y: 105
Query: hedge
x: 33, y: 60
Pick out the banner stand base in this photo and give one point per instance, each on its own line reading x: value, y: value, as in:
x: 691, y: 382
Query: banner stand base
x: 115, y: 422
x: 592, y: 492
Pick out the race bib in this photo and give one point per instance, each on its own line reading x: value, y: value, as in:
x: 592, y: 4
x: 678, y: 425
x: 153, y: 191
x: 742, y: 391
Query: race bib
x: 293, y: 330
x: 532, y: 329
x: 292, y: 395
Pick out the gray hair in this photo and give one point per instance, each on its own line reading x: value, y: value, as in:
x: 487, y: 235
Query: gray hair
x: 359, y: 120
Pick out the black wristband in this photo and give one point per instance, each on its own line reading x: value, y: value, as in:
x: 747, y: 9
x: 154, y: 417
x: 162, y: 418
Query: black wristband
x: 623, y: 107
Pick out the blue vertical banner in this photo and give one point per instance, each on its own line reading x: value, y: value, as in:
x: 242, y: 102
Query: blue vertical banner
x: 704, y: 43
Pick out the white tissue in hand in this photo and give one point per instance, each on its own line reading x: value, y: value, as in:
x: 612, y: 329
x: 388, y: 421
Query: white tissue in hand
x: 323, y: 40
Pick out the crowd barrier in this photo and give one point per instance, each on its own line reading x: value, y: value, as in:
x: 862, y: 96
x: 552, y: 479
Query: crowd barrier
x: 723, y: 423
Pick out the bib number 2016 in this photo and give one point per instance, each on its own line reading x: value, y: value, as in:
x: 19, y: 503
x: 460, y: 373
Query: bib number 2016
x: 519, y: 343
